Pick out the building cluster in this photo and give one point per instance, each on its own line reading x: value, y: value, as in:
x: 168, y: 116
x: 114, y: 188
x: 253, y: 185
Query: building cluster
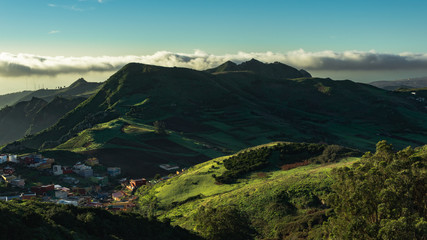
x: 8, y: 158
x: 36, y: 161
x: 84, y: 188
x: 8, y: 176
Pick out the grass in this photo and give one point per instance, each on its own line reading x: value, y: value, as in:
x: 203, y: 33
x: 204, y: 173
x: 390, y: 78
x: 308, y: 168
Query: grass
x: 198, y: 180
x: 180, y: 198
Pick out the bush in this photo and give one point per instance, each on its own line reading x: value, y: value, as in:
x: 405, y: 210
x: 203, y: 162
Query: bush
x: 225, y: 222
x: 243, y: 163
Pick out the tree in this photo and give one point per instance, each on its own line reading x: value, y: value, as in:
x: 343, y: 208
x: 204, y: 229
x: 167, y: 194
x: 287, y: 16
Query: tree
x: 224, y: 222
x: 381, y: 197
x: 159, y: 127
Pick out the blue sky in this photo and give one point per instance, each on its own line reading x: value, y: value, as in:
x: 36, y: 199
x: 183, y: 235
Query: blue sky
x: 94, y: 28
x: 121, y: 27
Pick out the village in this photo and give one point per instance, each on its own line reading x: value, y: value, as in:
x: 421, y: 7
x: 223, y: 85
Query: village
x: 88, y: 184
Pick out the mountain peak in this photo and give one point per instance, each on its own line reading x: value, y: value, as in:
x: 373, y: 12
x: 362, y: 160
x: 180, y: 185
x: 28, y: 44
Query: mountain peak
x: 78, y: 82
x: 139, y: 67
x: 228, y: 66
x: 252, y: 62
x: 271, y: 70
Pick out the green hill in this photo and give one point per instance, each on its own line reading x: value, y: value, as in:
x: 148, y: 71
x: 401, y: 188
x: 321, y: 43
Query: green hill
x: 212, y: 114
x: 286, y: 198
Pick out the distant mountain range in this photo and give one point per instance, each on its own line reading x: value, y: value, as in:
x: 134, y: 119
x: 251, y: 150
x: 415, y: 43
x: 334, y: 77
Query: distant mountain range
x: 80, y: 88
x: 222, y: 110
x: 404, y: 83
x: 29, y: 112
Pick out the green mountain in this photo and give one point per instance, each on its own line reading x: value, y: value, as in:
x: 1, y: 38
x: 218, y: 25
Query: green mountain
x: 286, y: 190
x: 80, y: 88
x: 207, y: 115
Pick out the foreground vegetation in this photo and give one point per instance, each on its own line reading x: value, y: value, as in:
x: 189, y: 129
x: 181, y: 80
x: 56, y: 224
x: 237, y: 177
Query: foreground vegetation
x: 383, y: 196
x: 379, y: 196
x: 36, y: 220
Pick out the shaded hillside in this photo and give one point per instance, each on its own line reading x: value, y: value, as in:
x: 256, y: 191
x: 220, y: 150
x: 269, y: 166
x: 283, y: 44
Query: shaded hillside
x: 207, y: 115
x: 29, y: 117
x: 15, y: 120
x: 12, y: 98
x: 404, y: 83
x: 80, y: 88
x: 35, y: 220
x: 51, y: 112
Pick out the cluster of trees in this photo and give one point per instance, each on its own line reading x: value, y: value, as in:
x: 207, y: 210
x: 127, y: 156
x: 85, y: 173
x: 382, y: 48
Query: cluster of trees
x: 381, y: 197
x: 291, y: 155
x: 36, y: 220
x: 223, y: 222
x: 315, y: 153
x: 243, y: 163
x: 160, y: 127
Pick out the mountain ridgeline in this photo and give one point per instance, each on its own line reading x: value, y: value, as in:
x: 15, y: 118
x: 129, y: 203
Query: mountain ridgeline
x: 28, y: 117
x: 31, y: 112
x: 80, y: 88
x: 272, y: 70
x: 222, y: 110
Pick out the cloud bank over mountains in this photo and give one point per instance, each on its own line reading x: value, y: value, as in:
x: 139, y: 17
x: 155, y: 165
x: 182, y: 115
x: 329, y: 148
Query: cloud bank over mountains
x: 21, y: 65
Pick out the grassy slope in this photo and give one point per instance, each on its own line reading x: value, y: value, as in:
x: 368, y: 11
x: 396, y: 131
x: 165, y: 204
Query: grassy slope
x: 180, y: 198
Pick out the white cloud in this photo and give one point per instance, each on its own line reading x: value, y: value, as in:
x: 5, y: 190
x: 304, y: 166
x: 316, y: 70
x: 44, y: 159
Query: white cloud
x: 54, y: 32
x: 32, y: 65
x: 75, y: 8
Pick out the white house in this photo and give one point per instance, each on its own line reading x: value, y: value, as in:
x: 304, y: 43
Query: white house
x: 3, y: 158
x: 57, y: 170
x: 13, y: 158
x: 61, y: 194
x: 83, y: 170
